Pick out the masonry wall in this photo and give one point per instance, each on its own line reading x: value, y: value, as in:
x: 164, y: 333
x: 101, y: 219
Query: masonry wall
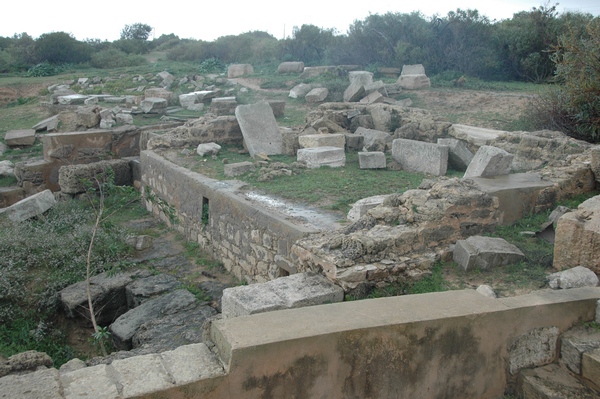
x: 252, y: 242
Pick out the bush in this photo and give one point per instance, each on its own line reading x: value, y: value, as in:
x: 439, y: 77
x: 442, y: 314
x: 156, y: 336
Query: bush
x: 212, y: 65
x: 574, y: 106
x: 113, y: 58
x: 47, y: 69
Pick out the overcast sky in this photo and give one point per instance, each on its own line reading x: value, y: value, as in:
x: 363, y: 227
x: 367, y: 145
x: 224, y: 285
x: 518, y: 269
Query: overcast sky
x: 208, y: 20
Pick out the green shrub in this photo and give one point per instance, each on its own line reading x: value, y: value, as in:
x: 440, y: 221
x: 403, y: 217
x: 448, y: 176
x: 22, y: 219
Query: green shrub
x: 113, y: 58
x: 47, y: 69
x: 212, y: 65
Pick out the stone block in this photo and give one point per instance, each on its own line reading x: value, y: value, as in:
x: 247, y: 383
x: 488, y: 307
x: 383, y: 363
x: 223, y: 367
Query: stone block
x: 322, y: 156
x: 158, y: 92
x: 576, y: 277
x: 300, y: 90
x: 223, y: 105
x: 354, y: 92
x: 310, y: 72
x: 297, y: 290
x: 362, y: 77
x: 415, y: 69
x: 378, y: 87
x: 360, y: 207
x: 373, y: 98
x: 488, y: 162
x: 535, y: 348
x: 237, y: 70
x: 42, y: 384
x: 413, y: 77
x: 420, y: 157
x: 374, y: 140
x: 577, y: 237
x: 72, y: 99
x: 485, y: 253
x: 590, y: 365
x: 190, y: 363
x: 31, y: 206
x: 124, y: 119
x: 49, y: 124
x: 154, y: 105
x: 205, y: 149
x: 94, y: 382
x: 10, y: 196
x: 259, y: 129
x: 17, y: 138
x: 143, y: 289
x: 316, y: 95
x: 238, y: 168
x: 574, y: 343
x: 322, y: 140
x: 71, y: 177
x: 291, y: 67
x: 459, y: 155
x: 552, y: 381
x: 141, y: 375
x: 372, y: 160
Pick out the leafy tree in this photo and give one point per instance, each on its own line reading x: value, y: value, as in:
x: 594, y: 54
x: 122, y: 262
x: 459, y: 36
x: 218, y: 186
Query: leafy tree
x: 308, y: 44
x: 61, y: 48
x: 137, y: 31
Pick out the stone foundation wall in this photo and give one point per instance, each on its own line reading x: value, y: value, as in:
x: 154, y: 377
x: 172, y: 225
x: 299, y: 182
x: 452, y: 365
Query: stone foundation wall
x: 252, y: 242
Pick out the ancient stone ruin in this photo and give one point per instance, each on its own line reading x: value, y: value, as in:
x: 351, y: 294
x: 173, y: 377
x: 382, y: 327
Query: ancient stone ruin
x: 292, y: 262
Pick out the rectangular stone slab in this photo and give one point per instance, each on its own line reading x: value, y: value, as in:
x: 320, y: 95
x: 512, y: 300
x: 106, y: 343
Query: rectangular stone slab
x: 259, y: 128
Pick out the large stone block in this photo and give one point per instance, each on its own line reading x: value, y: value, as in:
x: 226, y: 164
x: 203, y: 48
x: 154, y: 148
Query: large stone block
x: 322, y: 156
x: 297, y: 290
x: 237, y: 70
x: 489, y: 161
x: 537, y: 347
x: 31, y: 206
x: 316, y: 95
x: 360, y: 207
x: 238, y: 168
x: 459, y: 155
x: 322, y: 140
x: 413, y: 77
x: 41, y: 384
x: 71, y: 178
x: 154, y: 105
x: 300, y: 90
x: 574, y: 343
x: 291, y: 67
x: 576, y: 277
x: 16, y: 138
x: 420, y: 157
x: 259, y: 128
x: 372, y: 160
x: 485, y: 253
x: 577, y: 237
x: 374, y: 140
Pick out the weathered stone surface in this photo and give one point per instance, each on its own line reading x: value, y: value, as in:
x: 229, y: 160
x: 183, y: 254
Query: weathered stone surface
x: 322, y: 140
x: 237, y: 70
x: 317, y: 95
x: 297, y: 290
x: 362, y: 77
x: 154, y: 105
x: 141, y: 375
x: 354, y: 142
x: 378, y: 87
x: 223, y: 105
x: 574, y: 343
x: 108, y: 296
x: 71, y: 177
x: 576, y: 277
x: 158, y: 92
x: 17, y: 138
x: 291, y: 67
x: 373, y: 98
x: 354, y: 92
x: 208, y: 149
x: 322, y: 156
x: 143, y: 289
x: 360, y: 207
x: 172, y: 330
x: 374, y: 140
x: 278, y: 107
x: 590, y: 365
x: 300, y: 90
x: 485, y: 253
x: 92, y: 382
x: 595, y: 162
x: 238, y: 168
x: 259, y: 128
x: 489, y: 161
x: 459, y: 155
x: 7, y: 168
x: 72, y: 99
x: 420, y: 157
x: 49, y: 124
x: 124, y: 119
x: 42, y: 384
x: 413, y: 77
x: 124, y: 328
x: 537, y: 347
x: 552, y: 381
x: 486, y: 290
x: 577, y: 237
x: 29, y: 360
x: 10, y: 196
x: 372, y: 160
x: 166, y: 78
x: 31, y: 206
x: 191, y: 363
x: 477, y: 136
x: 310, y: 72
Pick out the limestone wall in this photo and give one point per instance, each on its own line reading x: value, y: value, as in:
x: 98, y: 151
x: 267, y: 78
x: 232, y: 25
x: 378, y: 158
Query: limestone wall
x: 252, y: 242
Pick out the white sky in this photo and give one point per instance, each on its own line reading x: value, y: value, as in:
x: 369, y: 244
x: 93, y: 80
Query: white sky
x: 208, y: 20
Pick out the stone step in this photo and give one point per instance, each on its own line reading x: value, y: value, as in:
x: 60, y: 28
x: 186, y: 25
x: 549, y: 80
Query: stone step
x: 574, y: 343
x: 553, y: 382
x: 590, y: 367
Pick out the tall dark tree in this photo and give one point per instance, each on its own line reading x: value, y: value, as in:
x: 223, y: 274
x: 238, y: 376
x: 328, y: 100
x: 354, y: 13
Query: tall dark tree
x: 137, y: 31
x: 308, y: 44
x: 61, y: 47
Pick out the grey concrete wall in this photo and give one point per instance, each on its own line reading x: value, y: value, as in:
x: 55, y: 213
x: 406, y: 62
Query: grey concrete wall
x: 253, y: 243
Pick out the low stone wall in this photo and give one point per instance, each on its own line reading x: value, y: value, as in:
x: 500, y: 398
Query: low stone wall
x: 252, y: 242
